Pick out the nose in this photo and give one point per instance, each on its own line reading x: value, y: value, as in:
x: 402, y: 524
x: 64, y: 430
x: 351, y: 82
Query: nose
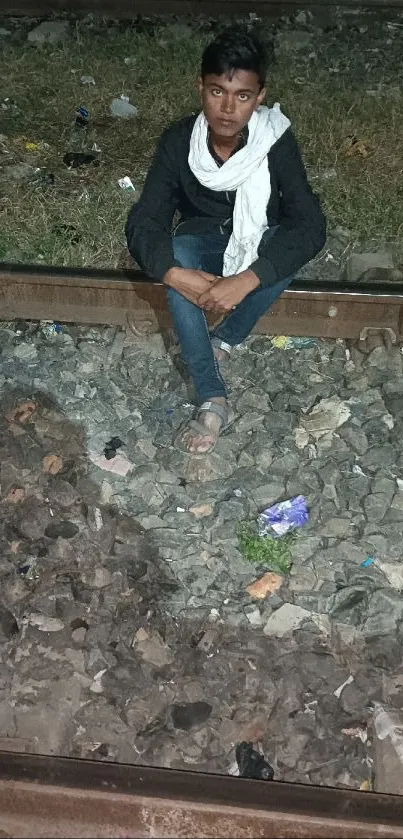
x: 228, y: 105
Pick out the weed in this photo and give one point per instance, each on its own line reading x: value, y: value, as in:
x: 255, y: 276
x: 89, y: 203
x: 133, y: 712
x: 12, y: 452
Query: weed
x: 265, y: 550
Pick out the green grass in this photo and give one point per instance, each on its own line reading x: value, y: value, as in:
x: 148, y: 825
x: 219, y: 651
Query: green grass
x: 159, y: 75
x: 265, y: 550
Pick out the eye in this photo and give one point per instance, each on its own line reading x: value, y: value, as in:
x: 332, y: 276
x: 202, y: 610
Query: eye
x: 216, y: 91
x: 243, y: 97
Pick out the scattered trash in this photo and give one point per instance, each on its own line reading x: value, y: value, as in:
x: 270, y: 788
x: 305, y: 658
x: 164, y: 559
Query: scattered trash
x: 200, y: 511
x: 328, y: 174
x: 388, y: 420
x: 52, y: 464
x: 22, y: 413
x: 358, y: 471
x: 125, y: 183
x: 74, y: 159
x: 283, y: 342
x: 29, y: 570
x: 120, y: 464
x: 96, y: 147
x: 252, y: 763
x: 301, y: 438
x: 45, y: 623
x: 42, y: 179
x: 123, y: 108
x: 338, y: 692
x: 268, y: 550
x: 268, y: 584
x: 354, y: 147
x: 87, y: 80
x: 326, y: 416
x: 111, y: 447
x: 388, y: 724
x: 359, y: 732
x: 81, y: 117
x: 32, y: 146
x: 279, y: 519
x: 367, y: 562
x: 49, y: 330
x: 15, y: 495
x: 366, y: 785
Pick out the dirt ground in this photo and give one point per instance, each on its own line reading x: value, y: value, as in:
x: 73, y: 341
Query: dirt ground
x: 338, y: 79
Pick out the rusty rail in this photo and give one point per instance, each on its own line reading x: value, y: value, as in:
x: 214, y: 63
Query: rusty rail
x: 118, y: 297
x: 128, y: 9
x: 52, y: 796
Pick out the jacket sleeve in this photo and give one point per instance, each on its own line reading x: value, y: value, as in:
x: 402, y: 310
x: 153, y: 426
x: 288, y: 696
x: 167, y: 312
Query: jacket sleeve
x: 301, y: 231
x: 149, y: 224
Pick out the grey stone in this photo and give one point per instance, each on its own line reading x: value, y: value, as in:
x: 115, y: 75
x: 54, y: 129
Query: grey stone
x: 49, y: 31
x: 376, y: 506
x: 349, y: 605
x: 64, y: 529
x: 8, y: 623
x: 26, y: 352
x: 378, y: 457
x: 285, y: 620
x: 355, y: 438
x: 359, y: 263
x: 254, y: 616
x: 294, y: 39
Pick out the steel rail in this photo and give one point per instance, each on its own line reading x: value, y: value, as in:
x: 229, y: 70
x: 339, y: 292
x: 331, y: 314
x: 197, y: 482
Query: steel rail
x: 64, y: 797
x: 125, y: 297
x: 128, y: 9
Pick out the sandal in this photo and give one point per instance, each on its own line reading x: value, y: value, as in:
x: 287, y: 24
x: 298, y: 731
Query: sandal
x: 223, y: 412
x: 217, y: 344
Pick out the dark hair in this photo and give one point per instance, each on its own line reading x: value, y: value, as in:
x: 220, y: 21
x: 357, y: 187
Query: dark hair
x: 235, y: 49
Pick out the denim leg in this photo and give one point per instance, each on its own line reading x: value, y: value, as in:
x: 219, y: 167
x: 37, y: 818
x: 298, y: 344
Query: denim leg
x: 203, y: 253
x: 239, y: 323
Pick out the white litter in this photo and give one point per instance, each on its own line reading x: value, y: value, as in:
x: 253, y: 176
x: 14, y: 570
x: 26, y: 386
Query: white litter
x: 338, y: 692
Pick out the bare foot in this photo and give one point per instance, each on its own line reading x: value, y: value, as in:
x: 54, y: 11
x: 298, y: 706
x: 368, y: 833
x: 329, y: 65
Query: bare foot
x: 199, y: 443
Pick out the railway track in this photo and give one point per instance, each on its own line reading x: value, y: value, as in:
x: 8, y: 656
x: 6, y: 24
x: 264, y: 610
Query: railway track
x: 63, y: 797
x: 47, y: 796
x: 128, y: 9
x: 125, y: 298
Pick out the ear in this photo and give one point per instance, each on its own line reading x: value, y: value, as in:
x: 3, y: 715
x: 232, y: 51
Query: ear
x: 261, y: 97
x: 200, y: 85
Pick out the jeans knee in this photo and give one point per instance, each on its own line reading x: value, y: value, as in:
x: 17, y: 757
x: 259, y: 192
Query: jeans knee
x: 185, y: 251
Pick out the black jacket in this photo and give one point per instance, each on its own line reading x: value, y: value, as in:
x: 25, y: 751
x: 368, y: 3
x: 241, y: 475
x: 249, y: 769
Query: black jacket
x: 170, y: 186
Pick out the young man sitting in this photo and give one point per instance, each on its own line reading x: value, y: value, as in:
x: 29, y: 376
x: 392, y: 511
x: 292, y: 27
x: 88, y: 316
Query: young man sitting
x: 248, y: 220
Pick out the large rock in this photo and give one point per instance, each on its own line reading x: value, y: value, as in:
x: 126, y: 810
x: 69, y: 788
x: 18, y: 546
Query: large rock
x: 49, y: 31
x: 285, y: 620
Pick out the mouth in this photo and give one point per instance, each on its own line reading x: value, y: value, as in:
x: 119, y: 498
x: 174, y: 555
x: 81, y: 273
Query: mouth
x: 226, y: 122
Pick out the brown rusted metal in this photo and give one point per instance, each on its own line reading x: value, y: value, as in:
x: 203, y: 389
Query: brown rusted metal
x: 128, y: 9
x: 52, y: 796
x: 119, y: 297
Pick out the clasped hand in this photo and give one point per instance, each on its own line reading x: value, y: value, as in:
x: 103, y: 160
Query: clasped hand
x: 211, y: 293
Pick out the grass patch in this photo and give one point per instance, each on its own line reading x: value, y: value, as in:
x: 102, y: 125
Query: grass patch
x: 323, y: 90
x: 265, y: 550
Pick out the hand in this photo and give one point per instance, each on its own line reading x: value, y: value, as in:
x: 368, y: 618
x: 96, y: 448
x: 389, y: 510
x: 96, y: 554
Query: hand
x: 189, y: 282
x: 227, y: 292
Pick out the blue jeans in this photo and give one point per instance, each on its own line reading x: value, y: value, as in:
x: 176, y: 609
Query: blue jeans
x: 206, y: 252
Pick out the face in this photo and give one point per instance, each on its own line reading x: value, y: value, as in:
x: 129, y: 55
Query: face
x: 228, y: 104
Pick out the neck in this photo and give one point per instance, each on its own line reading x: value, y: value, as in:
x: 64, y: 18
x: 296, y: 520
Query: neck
x: 224, y: 146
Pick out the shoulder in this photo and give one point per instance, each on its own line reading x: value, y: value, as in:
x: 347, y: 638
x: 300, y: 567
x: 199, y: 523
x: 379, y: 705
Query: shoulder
x: 286, y: 144
x: 179, y: 132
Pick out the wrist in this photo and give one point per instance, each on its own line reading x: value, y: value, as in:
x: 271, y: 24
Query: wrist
x: 171, y: 276
x: 250, y: 279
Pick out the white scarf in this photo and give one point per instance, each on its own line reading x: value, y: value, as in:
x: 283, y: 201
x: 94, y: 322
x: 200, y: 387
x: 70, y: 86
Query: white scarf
x: 246, y: 171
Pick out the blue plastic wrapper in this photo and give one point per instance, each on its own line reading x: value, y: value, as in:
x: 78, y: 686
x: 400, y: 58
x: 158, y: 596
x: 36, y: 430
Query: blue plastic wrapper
x: 281, y: 518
